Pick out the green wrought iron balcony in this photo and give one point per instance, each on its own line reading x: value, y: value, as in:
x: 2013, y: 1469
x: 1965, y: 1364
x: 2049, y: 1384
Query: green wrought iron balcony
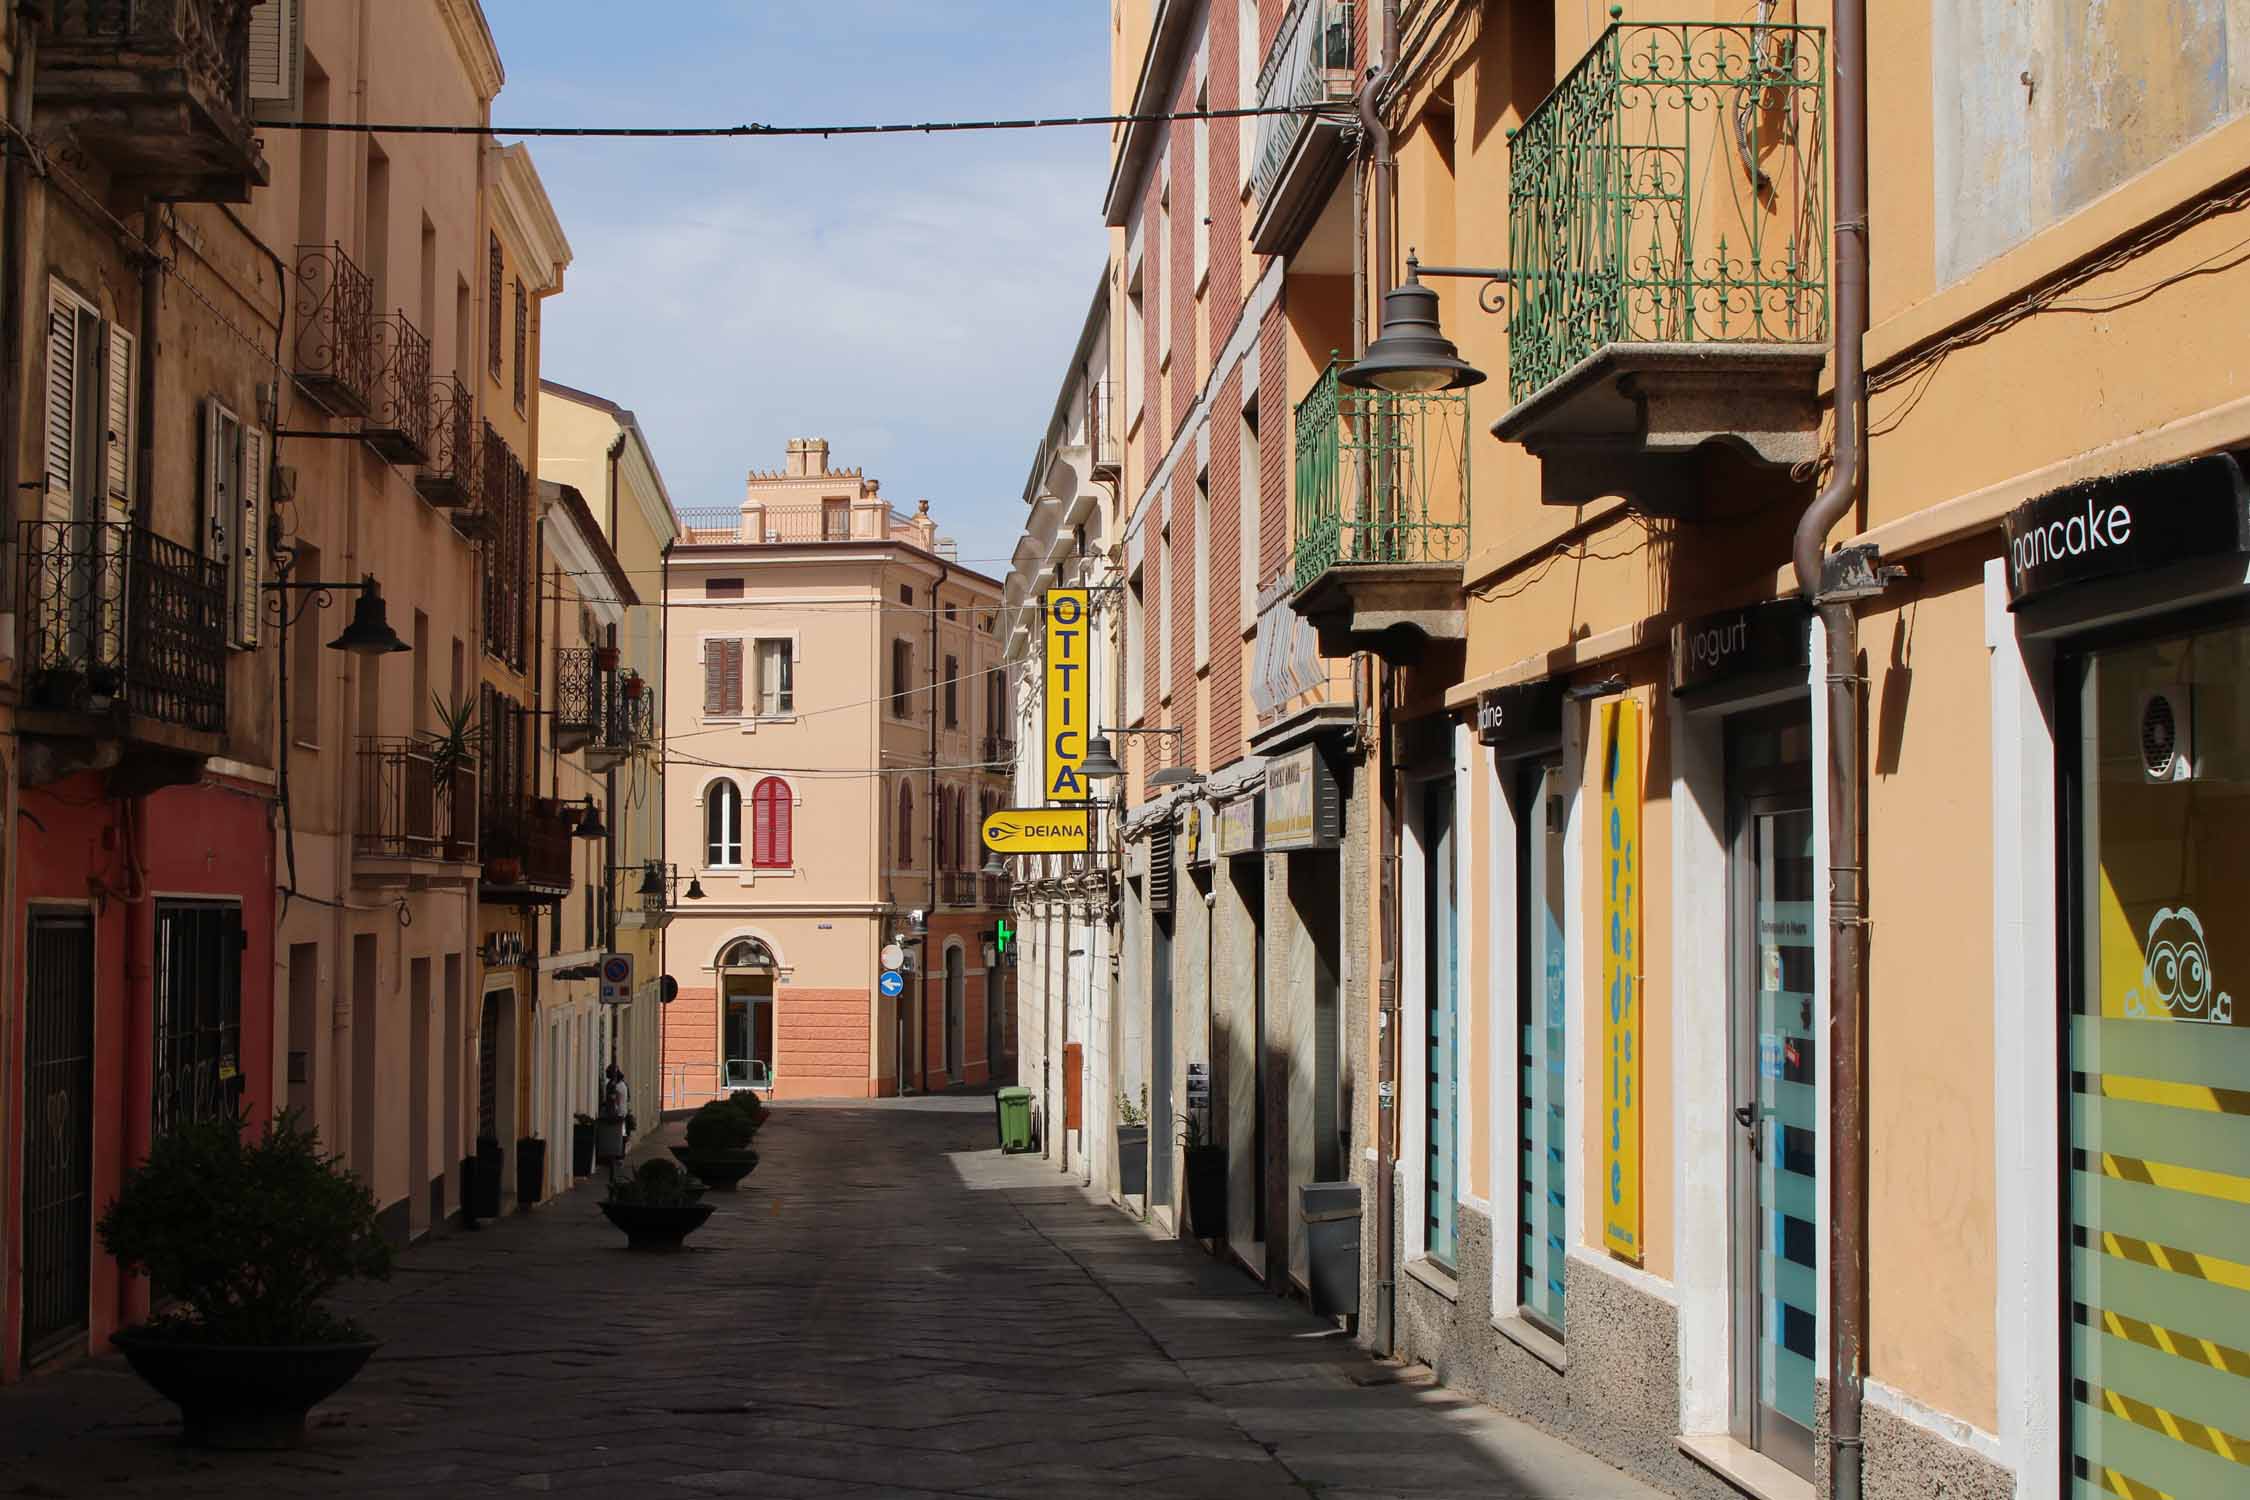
x: 1668, y: 231
x: 1382, y: 489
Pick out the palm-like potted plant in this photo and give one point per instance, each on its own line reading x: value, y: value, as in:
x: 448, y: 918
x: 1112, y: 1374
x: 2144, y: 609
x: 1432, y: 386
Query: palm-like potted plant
x: 718, y: 1140
x: 1132, y: 1144
x: 452, y: 755
x: 249, y: 1237
x: 658, y: 1207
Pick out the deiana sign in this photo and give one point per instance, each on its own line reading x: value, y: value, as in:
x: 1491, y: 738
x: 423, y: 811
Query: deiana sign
x: 2123, y: 523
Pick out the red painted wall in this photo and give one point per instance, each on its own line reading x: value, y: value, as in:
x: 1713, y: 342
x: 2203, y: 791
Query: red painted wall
x: 79, y: 847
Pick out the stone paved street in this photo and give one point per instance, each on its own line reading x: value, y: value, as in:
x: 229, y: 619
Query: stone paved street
x: 887, y: 1308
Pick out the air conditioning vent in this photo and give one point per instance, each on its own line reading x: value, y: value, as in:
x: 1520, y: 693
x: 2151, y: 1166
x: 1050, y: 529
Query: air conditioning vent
x: 2168, y: 733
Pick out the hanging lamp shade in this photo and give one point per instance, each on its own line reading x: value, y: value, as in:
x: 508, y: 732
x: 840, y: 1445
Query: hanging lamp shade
x: 1412, y: 354
x: 590, y: 825
x: 1100, y: 760
x: 369, y: 633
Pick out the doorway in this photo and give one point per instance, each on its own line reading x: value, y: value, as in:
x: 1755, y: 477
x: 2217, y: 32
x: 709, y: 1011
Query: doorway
x: 58, y: 1210
x: 956, y: 1015
x: 1542, y: 1033
x: 493, y: 1045
x: 1776, y: 1226
x: 1442, y: 1064
x: 1249, y: 875
x: 1160, y: 1060
x: 748, y: 1031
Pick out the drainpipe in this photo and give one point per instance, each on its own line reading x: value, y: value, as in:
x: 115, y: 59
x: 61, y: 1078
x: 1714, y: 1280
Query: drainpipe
x: 1376, y: 144
x: 1832, y: 585
x: 937, y: 876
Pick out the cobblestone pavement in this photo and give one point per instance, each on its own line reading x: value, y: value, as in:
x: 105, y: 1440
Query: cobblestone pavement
x: 888, y: 1307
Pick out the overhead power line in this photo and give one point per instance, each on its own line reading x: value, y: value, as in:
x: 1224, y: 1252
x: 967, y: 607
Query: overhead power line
x: 751, y: 131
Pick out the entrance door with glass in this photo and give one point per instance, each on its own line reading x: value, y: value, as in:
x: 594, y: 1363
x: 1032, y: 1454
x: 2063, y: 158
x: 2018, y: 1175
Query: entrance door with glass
x: 1542, y: 1015
x: 1776, y: 1222
x: 749, y: 1032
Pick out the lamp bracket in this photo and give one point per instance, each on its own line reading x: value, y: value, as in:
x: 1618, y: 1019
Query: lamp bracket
x: 1492, y: 296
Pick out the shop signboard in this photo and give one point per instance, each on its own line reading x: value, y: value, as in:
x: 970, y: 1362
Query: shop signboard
x: 1067, y: 700
x: 1304, y: 806
x: 2125, y: 523
x: 1237, y: 826
x: 1621, y: 978
x: 1039, y: 830
x: 1524, y: 710
x: 1770, y: 640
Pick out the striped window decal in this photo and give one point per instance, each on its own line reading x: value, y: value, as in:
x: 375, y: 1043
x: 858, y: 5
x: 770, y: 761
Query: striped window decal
x: 2158, y: 1191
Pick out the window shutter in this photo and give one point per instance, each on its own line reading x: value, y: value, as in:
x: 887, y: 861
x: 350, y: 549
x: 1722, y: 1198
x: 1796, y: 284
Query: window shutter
x: 730, y: 685
x: 492, y: 306
x: 783, y: 814
x: 118, y: 460
x: 62, y: 391
x: 761, y: 827
x: 714, y: 678
x: 276, y: 72
x: 251, y: 548
x: 218, y: 426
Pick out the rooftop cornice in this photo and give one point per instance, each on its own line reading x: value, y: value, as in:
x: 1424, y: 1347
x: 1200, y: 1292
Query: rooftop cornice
x: 472, y: 38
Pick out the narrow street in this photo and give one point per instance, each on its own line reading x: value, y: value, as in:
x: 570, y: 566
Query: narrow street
x: 889, y: 1307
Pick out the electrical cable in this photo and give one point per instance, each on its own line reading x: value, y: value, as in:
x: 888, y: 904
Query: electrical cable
x: 757, y: 131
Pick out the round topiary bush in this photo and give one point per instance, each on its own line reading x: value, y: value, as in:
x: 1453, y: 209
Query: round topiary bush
x: 719, y: 1126
x: 748, y: 1102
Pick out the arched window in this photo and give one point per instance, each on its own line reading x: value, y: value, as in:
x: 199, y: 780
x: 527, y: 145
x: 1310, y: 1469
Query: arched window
x: 905, y: 826
x: 722, y: 824
x: 945, y: 828
x: 746, y: 953
x: 961, y: 830
x: 769, y: 824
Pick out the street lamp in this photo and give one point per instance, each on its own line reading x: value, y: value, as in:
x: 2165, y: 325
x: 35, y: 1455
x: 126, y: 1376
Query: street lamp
x: 590, y: 825
x: 368, y: 634
x: 1100, y: 760
x: 1411, y: 355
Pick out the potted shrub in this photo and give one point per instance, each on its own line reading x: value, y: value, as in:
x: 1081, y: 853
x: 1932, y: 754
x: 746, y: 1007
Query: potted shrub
x: 718, y: 1144
x: 657, y: 1207
x: 452, y: 756
x: 1206, y: 1170
x: 1132, y: 1144
x: 249, y: 1238
x: 605, y: 658
x: 582, y: 1145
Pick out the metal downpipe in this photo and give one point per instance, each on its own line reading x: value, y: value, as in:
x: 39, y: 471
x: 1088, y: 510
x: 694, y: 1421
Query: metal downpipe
x: 1847, y: 1257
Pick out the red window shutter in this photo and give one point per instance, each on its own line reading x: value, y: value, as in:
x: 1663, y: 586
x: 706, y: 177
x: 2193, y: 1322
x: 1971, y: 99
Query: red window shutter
x: 761, y: 825
x: 771, y: 811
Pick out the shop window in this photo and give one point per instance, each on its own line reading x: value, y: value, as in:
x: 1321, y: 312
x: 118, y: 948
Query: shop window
x: 198, y: 1063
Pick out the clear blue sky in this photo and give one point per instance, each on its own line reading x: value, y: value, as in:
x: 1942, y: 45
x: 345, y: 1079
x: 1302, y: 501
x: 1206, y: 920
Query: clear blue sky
x: 912, y: 299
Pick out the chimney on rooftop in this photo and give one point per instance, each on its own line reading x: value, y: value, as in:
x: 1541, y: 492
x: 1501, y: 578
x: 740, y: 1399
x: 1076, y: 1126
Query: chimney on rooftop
x: 807, y: 457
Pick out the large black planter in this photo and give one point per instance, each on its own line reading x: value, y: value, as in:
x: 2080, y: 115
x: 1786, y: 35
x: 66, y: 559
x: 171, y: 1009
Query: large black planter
x: 482, y: 1187
x: 1207, y: 1190
x: 531, y: 1171
x: 657, y: 1226
x: 235, y: 1396
x: 1132, y: 1160
x: 721, y: 1169
x: 581, y: 1148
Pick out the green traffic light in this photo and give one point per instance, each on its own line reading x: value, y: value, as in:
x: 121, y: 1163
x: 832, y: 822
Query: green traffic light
x: 1005, y: 936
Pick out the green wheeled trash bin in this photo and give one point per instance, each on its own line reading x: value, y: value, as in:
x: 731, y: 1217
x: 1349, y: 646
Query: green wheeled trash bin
x: 1331, y: 1214
x: 1013, y: 1107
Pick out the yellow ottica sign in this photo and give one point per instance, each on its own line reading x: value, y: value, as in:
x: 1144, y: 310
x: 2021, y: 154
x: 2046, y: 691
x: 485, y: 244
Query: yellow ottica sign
x: 1067, y: 698
x: 1038, y: 830
x: 1621, y: 978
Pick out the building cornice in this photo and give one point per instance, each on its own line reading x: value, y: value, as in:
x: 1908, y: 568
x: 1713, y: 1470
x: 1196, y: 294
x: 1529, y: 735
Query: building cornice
x: 472, y: 39
x: 579, y: 543
x: 689, y: 554
x: 526, y: 218
x: 1167, y: 35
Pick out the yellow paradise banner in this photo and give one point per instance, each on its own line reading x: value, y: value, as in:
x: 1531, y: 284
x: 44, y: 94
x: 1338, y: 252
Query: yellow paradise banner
x: 1621, y: 977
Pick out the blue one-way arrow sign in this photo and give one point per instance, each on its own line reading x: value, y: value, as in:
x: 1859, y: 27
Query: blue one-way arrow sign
x: 892, y: 984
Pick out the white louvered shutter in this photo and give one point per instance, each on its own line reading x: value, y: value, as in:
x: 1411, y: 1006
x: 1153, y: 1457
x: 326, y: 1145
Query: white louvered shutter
x: 276, y: 60
x: 222, y: 437
x: 62, y: 400
x: 117, y: 463
x: 250, y: 546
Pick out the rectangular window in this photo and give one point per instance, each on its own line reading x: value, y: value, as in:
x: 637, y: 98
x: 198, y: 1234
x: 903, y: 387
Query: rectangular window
x: 523, y: 339
x: 1542, y: 1018
x: 1165, y: 624
x: 902, y: 679
x: 1202, y: 570
x: 952, y: 692
x: 1164, y: 270
x: 722, y: 679
x: 906, y: 595
x: 306, y: 659
x: 1136, y: 358
x: 722, y: 588
x: 492, y: 305
x: 835, y: 520
x: 1246, y: 61
x: 1134, y: 658
x: 777, y: 678
x: 198, y: 1054
x: 1202, y: 189
x: 2157, y: 1102
x: 1246, y: 551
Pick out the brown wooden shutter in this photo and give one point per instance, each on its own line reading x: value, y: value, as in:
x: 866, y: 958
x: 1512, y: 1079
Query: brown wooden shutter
x: 492, y: 308
x: 722, y: 678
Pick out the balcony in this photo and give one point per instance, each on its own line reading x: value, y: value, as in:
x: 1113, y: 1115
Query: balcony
x: 335, y: 317
x: 124, y: 637
x: 994, y: 892
x: 417, y: 815
x: 999, y: 750
x: 1105, y: 436
x: 399, y: 425
x: 528, y: 855
x: 158, y: 92
x: 1298, y: 158
x: 832, y: 521
x: 1668, y: 219
x: 957, y: 888
x: 448, y: 479
x: 1382, y: 487
x: 600, y: 710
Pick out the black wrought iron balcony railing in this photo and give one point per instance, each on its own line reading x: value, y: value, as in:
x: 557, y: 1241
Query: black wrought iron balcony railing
x: 448, y: 477
x: 415, y: 801
x: 115, y: 616
x: 1381, y: 478
x: 527, y: 851
x: 599, y: 708
x: 336, y: 357
x: 399, y: 422
x: 1310, y: 63
x: 158, y: 91
x: 957, y: 888
x: 1671, y: 189
x: 999, y: 750
x: 578, y: 697
x: 994, y: 892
